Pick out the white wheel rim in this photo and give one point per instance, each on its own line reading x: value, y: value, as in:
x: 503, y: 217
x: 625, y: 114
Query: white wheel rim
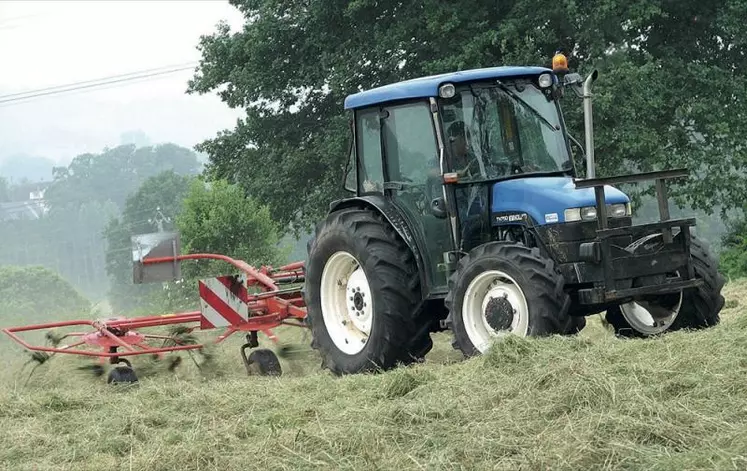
x: 347, y: 304
x: 642, y: 319
x: 495, y: 285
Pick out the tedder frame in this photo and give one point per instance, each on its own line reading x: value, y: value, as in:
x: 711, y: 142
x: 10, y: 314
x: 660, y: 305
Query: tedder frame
x: 254, y: 301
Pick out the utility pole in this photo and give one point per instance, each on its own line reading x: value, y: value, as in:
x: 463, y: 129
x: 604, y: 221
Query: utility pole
x: 159, y: 219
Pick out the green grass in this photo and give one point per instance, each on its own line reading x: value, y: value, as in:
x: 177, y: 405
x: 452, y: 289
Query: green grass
x: 592, y: 402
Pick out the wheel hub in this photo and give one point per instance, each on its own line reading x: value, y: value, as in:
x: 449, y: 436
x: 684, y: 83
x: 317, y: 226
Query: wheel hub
x: 494, y: 305
x: 499, y: 313
x: 358, y: 301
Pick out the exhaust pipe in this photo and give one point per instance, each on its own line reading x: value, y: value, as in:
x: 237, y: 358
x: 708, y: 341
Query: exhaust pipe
x: 589, y: 125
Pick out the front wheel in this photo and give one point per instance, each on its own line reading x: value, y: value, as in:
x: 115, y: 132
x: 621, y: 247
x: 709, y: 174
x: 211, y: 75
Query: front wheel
x: 500, y: 289
x: 694, y: 308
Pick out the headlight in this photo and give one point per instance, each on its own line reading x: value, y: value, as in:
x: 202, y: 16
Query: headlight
x: 545, y: 80
x: 572, y: 214
x: 618, y: 210
x: 447, y: 90
x: 589, y: 213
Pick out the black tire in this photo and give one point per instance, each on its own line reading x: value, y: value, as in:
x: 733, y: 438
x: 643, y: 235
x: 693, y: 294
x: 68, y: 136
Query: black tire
x: 577, y: 324
x: 399, y: 333
x: 701, y: 306
x: 122, y: 375
x: 541, y: 283
x: 264, y: 362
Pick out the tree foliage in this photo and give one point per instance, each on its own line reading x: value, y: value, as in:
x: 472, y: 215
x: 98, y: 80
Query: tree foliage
x: 218, y: 218
x: 67, y: 241
x: 154, y: 205
x: 4, y: 190
x: 36, y: 294
x: 734, y: 255
x: 669, y: 93
x: 116, y: 173
x: 210, y: 218
x: 83, y: 197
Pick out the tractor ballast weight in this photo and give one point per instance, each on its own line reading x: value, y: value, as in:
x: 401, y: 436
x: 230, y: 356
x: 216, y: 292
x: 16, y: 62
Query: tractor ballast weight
x: 466, y: 213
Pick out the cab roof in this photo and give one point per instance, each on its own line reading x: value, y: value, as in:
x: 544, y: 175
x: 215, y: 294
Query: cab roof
x: 425, y: 87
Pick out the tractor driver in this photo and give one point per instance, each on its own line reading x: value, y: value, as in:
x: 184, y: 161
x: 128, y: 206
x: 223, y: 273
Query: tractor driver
x: 464, y: 160
x: 465, y: 163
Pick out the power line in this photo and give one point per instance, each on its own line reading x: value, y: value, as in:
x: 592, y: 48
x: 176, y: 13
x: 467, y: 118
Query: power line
x: 86, y: 82
x: 121, y: 81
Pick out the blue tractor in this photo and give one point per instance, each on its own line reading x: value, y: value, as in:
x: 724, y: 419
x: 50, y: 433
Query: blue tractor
x: 467, y: 213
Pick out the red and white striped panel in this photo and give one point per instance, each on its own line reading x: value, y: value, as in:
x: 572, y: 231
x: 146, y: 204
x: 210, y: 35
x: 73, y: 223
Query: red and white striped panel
x: 221, y: 302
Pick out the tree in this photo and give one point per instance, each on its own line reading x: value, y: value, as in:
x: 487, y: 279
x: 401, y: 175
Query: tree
x: 734, y: 255
x: 669, y: 92
x: 4, y: 190
x: 218, y: 218
x: 116, y: 173
x: 213, y: 218
x: 20, y: 167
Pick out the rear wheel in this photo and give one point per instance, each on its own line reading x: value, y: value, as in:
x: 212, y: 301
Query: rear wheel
x: 363, y: 295
x: 695, y: 308
x: 501, y: 289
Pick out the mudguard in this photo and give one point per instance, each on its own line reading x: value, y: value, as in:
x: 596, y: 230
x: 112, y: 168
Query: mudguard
x: 396, y: 218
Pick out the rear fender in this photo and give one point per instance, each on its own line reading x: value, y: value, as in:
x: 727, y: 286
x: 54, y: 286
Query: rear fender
x: 394, y: 216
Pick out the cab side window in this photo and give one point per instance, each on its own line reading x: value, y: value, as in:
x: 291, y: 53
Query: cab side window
x: 410, y: 143
x: 368, y: 130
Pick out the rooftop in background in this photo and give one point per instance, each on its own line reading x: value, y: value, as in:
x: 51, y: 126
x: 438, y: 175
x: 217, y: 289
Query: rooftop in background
x: 424, y: 87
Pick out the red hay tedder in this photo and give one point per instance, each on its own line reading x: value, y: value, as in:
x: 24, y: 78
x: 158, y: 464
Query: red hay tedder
x: 252, y: 302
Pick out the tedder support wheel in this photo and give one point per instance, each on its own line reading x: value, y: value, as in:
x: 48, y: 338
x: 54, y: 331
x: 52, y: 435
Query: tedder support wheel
x: 501, y: 288
x: 363, y: 295
x: 695, y: 308
x: 122, y: 375
x: 263, y: 362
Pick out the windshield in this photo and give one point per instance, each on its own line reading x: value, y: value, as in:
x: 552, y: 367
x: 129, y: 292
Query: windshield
x: 503, y: 129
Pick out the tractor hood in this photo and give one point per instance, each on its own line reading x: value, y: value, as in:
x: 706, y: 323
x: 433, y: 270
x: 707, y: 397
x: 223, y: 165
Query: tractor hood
x: 545, y: 199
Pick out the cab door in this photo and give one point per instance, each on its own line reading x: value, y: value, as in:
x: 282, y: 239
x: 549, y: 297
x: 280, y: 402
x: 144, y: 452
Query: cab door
x: 413, y: 179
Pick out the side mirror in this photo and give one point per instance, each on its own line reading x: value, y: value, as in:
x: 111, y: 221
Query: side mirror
x: 575, y: 82
x: 438, y: 207
x: 572, y: 79
x: 578, y: 144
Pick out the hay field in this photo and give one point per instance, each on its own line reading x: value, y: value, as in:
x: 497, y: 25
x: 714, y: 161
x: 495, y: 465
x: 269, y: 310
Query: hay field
x: 592, y: 402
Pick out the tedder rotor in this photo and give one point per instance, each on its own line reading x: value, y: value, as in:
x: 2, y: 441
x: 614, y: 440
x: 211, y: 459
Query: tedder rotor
x: 253, y: 301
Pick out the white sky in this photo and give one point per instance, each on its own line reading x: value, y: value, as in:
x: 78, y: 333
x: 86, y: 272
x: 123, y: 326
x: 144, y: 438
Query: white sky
x: 49, y: 43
